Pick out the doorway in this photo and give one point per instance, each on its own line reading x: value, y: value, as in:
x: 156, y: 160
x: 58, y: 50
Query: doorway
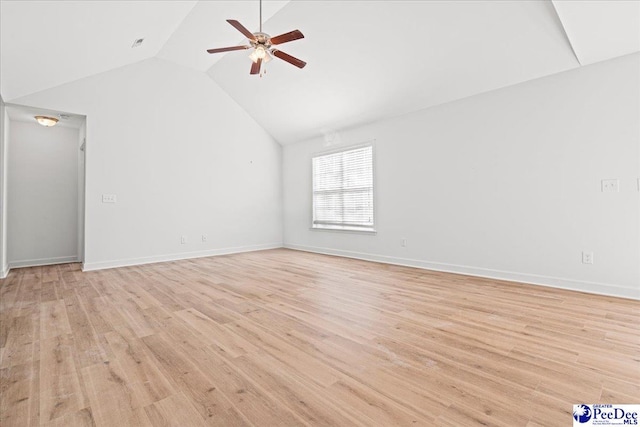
x: 45, y: 188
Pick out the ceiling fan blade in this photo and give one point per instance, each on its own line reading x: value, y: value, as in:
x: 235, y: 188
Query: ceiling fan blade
x: 227, y: 49
x: 238, y: 26
x: 255, y: 67
x: 287, y: 37
x: 290, y: 59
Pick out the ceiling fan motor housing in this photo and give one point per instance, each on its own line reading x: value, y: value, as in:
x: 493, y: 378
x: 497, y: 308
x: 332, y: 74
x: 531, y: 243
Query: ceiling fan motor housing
x: 263, y: 39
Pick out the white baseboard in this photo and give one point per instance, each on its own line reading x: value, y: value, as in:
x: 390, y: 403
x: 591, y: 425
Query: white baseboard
x: 4, y: 272
x: 101, y: 265
x: 533, y: 279
x: 43, y: 261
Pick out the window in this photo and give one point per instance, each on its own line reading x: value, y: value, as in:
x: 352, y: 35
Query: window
x: 343, y: 190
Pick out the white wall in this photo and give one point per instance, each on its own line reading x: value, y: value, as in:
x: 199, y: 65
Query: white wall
x: 42, y: 195
x: 183, y: 159
x: 504, y: 184
x: 4, y: 138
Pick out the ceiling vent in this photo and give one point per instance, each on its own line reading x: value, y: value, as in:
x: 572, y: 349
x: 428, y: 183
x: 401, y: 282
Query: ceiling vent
x: 137, y: 43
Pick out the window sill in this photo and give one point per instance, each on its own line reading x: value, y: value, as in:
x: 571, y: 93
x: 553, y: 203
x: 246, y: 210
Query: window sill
x: 345, y: 229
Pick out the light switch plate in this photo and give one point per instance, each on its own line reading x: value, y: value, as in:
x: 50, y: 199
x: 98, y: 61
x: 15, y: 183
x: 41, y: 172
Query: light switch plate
x: 109, y: 198
x: 610, y: 185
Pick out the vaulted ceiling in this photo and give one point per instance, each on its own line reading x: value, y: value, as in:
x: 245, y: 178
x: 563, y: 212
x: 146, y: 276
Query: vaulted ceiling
x: 367, y: 60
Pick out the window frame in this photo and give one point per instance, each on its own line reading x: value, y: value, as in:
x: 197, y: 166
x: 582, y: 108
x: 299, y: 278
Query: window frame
x: 346, y: 228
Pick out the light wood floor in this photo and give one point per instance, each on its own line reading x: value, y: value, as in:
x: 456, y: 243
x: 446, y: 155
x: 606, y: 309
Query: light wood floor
x: 291, y: 338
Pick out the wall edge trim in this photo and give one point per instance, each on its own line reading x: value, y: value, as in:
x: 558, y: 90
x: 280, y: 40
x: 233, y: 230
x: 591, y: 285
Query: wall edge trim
x: 525, y: 278
x: 102, y: 265
x: 43, y: 261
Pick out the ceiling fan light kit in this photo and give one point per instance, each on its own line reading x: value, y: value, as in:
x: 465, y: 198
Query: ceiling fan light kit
x: 263, y: 46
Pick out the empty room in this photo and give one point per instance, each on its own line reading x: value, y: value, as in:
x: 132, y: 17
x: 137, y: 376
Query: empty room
x: 320, y: 213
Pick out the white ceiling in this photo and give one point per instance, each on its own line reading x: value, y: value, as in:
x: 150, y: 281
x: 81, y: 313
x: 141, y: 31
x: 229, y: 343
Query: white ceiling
x: 205, y: 27
x: 601, y: 29
x: 44, y: 44
x: 366, y: 59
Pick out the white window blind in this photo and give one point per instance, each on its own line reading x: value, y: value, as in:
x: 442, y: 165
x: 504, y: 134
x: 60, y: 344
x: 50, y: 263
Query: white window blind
x: 343, y: 189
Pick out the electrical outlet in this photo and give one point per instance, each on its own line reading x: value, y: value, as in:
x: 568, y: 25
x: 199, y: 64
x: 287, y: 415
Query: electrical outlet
x: 610, y: 185
x: 204, y: 238
x: 109, y: 198
x: 183, y: 240
x: 587, y: 257
x: 403, y: 242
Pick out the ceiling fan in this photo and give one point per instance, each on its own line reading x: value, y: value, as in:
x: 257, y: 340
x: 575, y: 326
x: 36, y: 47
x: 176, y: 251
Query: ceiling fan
x: 263, y: 45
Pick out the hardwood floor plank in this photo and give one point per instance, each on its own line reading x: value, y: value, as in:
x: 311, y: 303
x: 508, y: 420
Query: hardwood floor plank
x: 175, y: 410
x: 214, y: 334
x: 112, y: 400
x: 212, y: 370
x: 280, y: 349
x: 423, y: 395
x: 53, y: 320
x: 60, y: 388
x: 304, y: 397
x: 146, y: 380
x: 17, y: 393
x: 13, y: 355
x: 9, y: 292
x: 21, y: 330
x: 186, y: 377
x: 371, y: 405
x: 282, y: 337
x: 88, y: 350
x: 49, y: 292
x: 35, y: 392
x: 133, y: 315
x: 81, y: 418
x: 213, y: 309
x: 256, y: 405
